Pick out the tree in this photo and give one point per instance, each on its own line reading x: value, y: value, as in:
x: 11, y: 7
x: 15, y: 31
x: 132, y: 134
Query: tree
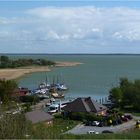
x: 127, y: 94
x: 124, y: 82
x: 4, y: 58
x: 7, y: 88
x: 4, y: 61
x: 116, y: 96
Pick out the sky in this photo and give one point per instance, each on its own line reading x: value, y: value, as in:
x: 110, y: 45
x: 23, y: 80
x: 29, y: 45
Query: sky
x: 70, y: 26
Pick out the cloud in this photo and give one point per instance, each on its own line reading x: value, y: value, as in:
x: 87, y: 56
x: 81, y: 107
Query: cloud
x: 131, y: 35
x: 91, y: 22
x: 67, y: 28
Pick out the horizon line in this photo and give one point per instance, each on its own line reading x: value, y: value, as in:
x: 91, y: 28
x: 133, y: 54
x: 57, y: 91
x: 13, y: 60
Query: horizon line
x: 70, y: 53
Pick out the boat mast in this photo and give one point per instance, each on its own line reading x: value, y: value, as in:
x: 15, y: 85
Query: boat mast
x: 53, y: 80
x: 57, y: 81
x: 46, y: 80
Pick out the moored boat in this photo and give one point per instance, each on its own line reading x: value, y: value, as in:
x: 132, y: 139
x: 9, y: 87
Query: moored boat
x: 61, y: 87
x: 57, y: 95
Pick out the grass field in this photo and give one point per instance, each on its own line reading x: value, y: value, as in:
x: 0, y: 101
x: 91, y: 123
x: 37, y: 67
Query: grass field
x: 41, y: 131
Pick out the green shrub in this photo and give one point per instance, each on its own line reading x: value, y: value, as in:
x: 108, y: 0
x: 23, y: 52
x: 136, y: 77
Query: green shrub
x: 77, y: 116
x: 58, y: 116
x: 81, y: 116
x: 29, y: 99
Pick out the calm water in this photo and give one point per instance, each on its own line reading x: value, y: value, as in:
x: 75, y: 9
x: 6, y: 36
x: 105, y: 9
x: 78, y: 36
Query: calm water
x: 95, y: 77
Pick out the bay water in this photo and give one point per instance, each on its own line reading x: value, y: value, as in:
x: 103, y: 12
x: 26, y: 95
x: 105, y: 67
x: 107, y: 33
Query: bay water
x: 94, y: 78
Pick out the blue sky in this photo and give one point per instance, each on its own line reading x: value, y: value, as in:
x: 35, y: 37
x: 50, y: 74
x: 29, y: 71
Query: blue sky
x: 77, y: 26
x: 35, y: 3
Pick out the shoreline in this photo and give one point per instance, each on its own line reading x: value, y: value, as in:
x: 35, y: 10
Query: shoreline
x: 14, y: 73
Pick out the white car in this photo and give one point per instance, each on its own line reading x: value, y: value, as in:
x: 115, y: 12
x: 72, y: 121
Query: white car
x: 95, y: 123
x: 92, y: 132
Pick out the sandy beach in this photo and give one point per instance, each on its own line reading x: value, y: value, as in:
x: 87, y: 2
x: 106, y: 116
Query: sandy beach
x: 14, y: 73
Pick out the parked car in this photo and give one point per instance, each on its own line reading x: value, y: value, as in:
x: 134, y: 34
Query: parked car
x: 101, y: 124
x: 92, y: 132
x: 115, y: 122
x: 88, y: 123
x: 95, y: 123
x: 125, y: 119
x: 129, y: 117
x: 119, y: 121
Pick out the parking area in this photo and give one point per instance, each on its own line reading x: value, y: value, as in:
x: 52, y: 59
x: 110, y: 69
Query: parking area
x: 82, y: 129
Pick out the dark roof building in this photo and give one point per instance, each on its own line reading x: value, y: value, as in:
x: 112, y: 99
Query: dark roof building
x: 37, y: 116
x: 85, y: 105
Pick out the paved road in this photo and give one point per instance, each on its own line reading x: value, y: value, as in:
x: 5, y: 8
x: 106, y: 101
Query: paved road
x: 81, y: 129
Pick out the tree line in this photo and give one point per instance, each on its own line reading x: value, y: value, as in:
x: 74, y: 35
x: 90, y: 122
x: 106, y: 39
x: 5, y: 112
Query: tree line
x: 126, y: 95
x: 6, y: 62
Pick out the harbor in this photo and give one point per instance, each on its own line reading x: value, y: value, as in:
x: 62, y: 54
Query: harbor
x: 93, y: 78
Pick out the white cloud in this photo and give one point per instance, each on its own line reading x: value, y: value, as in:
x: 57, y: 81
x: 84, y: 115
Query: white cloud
x: 87, y: 27
x: 91, y: 22
x: 53, y: 35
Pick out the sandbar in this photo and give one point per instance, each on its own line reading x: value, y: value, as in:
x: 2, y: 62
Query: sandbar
x: 67, y: 64
x: 14, y: 73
